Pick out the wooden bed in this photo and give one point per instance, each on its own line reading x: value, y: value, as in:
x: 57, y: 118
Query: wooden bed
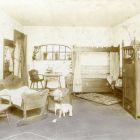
x: 26, y: 99
x: 22, y: 97
x: 94, y: 78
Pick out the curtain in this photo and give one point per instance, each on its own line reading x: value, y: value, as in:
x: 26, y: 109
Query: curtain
x: 17, y: 59
x: 9, y: 57
x: 77, y: 81
x: 114, y: 65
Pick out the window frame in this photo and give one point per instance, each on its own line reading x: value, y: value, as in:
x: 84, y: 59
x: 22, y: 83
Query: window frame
x: 55, y: 54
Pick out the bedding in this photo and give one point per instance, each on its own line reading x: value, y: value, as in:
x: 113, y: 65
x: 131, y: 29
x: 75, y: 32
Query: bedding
x: 109, y: 79
x: 16, y: 94
x: 118, y: 82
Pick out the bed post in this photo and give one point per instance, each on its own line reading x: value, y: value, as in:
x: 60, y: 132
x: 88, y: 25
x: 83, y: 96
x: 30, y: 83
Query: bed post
x: 24, y: 114
x: 134, y: 43
x: 122, y: 43
x: 121, y: 54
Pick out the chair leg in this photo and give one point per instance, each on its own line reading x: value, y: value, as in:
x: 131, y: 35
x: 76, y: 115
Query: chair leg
x: 37, y: 84
x: 24, y: 114
x: 7, y: 117
x: 31, y: 85
x: 42, y: 111
x: 46, y: 84
x: 41, y: 84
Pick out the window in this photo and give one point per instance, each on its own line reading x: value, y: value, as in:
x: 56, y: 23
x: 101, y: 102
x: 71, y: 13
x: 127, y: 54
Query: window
x: 52, y: 52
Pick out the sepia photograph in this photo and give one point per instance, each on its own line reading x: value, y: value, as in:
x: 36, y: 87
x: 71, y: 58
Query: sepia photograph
x: 69, y: 69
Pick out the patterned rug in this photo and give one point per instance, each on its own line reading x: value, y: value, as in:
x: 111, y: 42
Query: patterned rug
x: 100, y: 98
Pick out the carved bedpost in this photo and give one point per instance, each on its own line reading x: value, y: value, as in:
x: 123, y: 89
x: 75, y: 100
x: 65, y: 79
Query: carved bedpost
x: 121, y: 56
x: 122, y: 43
x: 134, y: 43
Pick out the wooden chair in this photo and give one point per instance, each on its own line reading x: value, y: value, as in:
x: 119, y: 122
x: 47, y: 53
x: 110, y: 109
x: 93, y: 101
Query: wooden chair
x: 5, y: 105
x: 35, y: 78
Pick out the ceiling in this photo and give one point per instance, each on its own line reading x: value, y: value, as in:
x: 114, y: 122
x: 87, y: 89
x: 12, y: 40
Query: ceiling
x: 70, y: 12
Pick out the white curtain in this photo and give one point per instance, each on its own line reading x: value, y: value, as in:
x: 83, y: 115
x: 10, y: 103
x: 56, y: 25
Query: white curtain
x: 17, y: 59
x: 9, y: 57
x: 114, y: 65
x: 77, y: 81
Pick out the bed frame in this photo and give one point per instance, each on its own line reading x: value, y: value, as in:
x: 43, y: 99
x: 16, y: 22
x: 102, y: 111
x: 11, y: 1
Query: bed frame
x: 96, y: 84
x: 29, y: 101
x: 33, y: 101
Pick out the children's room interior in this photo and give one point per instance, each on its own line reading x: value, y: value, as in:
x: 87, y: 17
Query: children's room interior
x: 69, y: 70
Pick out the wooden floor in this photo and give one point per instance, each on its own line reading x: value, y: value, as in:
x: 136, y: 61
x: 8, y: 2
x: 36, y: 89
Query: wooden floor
x: 90, y: 121
x: 95, y: 85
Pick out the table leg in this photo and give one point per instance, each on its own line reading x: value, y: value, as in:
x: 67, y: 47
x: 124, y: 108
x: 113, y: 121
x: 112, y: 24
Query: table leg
x: 59, y: 82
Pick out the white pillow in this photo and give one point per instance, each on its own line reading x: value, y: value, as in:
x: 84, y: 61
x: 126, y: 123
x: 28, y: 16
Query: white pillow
x: 110, y: 79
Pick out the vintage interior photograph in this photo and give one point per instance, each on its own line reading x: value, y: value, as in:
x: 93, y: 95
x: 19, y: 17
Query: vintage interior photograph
x: 69, y: 69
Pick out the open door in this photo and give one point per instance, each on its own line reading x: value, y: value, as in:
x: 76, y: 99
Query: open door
x: 8, y: 57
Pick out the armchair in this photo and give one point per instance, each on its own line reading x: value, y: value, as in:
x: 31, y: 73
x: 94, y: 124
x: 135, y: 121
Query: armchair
x: 35, y: 78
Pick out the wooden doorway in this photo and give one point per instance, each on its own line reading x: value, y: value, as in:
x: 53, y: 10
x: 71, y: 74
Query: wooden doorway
x: 20, y: 61
x: 8, y: 57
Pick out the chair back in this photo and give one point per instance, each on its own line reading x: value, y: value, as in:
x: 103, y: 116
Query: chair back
x: 33, y: 75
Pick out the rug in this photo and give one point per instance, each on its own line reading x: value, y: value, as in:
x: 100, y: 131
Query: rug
x: 100, y: 98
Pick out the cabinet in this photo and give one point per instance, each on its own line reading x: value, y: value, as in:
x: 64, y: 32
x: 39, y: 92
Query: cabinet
x: 131, y: 80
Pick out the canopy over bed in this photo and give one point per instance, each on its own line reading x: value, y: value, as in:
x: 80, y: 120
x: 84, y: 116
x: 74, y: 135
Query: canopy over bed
x: 95, y: 68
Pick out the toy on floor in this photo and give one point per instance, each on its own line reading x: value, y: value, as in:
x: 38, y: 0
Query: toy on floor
x: 54, y: 120
x: 63, y: 109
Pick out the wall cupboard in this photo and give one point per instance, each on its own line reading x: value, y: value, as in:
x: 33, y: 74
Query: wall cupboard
x: 131, y: 79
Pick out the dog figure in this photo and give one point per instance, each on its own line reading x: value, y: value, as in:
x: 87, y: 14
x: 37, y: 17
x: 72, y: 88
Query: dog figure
x: 63, y: 109
x: 57, y: 106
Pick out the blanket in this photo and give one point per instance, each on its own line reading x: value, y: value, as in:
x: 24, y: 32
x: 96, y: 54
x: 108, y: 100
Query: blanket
x: 16, y: 94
